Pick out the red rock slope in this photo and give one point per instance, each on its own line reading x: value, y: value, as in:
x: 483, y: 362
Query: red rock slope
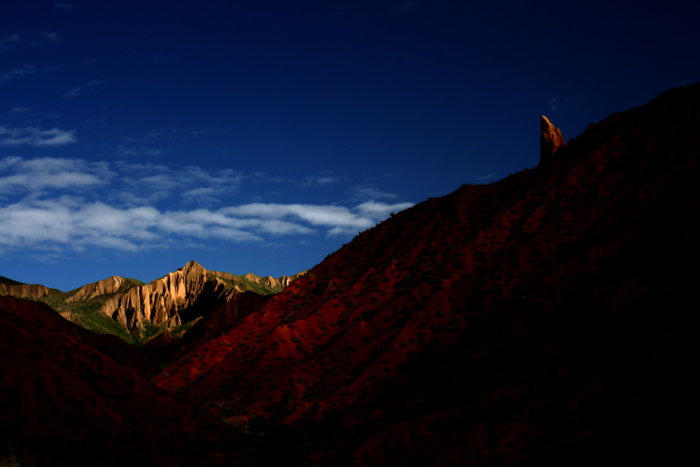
x: 533, y: 320
x: 70, y: 397
x: 540, y: 320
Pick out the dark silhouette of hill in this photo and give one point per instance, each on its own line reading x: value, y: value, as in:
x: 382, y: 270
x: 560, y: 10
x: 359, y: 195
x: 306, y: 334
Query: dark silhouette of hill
x: 535, y: 319
x: 71, y: 397
x: 538, y: 320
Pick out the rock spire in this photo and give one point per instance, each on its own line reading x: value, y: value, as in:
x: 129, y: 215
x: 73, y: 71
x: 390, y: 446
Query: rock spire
x: 551, y: 140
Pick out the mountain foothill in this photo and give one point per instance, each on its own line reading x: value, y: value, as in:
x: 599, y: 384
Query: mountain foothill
x: 537, y: 320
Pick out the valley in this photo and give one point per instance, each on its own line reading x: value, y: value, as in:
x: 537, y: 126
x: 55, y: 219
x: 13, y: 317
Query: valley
x: 537, y: 320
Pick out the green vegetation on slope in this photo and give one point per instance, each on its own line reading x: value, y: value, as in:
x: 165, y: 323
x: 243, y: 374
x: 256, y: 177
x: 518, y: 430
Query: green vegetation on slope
x: 178, y: 331
x: 135, y: 281
x: 87, y: 312
x: 246, y: 285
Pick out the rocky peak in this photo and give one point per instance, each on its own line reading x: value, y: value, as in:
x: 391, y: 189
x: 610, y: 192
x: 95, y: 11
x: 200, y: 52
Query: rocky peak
x: 163, y: 301
x: 551, y: 140
x: 111, y: 285
x: 192, y: 267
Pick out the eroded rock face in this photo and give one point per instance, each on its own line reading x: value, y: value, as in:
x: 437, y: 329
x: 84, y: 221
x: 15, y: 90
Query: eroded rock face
x: 273, y: 282
x: 163, y: 301
x: 551, y: 140
x: 31, y: 291
x: 160, y: 301
x: 112, y: 285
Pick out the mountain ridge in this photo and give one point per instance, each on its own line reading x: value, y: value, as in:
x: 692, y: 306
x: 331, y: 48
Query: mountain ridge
x: 143, y: 309
x: 478, y: 287
x: 537, y: 320
x: 26, y: 290
x: 161, y: 301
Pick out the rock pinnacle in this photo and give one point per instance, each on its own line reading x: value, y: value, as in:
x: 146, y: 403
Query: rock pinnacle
x: 551, y: 140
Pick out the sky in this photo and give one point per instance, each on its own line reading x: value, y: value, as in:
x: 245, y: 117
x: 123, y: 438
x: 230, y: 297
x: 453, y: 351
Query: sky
x: 260, y: 136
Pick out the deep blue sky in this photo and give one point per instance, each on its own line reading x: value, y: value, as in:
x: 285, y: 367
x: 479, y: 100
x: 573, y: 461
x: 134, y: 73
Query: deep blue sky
x: 260, y: 136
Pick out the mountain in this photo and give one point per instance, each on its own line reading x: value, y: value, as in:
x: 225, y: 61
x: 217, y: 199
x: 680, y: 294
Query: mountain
x: 18, y: 289
x: 134, y: 311
x: 110, y: 286
x: 533, y: 320
x: 165, y: 301
x: 539, y: 320
x: 5, y: 280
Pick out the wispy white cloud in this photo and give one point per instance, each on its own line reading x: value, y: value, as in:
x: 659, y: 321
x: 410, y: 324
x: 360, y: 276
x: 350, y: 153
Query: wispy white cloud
x: 32, y: 136
x: 339, y: 219
x: 677, y: 83
x: 159, y: 59
x: 323, y: 180
x: 10, y: 42
x: 63, y: 205
x: 367, y: 192
x: 75, y: 92
x: 377, y: 211
x: 85, y: 63
x: 372, y: 212
x: 36, y: 175
x: 558, y: 103
x: 405, y: 7
x: 207, y: 195
x: 133, y: 151
x: 51, y: 37
x: 82, y: 90
x: 65, y: 224
x: 313, y: 214
x: 69, y: 224
x: 24, y: 70
x: 166, y: 134
x: 65, y: 6
x: 151, y: 183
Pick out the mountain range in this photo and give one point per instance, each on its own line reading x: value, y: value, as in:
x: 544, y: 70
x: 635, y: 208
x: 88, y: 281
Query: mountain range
x: 538, y: 320
x: 135, y: 311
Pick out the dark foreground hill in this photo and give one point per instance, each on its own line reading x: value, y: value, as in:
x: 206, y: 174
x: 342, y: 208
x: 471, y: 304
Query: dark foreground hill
x: 534, y: 321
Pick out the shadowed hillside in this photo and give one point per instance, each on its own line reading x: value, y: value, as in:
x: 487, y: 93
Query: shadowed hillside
x: 530, y: 319
x: 72, y: 396
x: 534, y: 321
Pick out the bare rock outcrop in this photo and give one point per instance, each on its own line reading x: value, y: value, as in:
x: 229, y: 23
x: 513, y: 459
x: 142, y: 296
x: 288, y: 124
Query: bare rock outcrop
x: 551, y: 140
x: 163, y: 301
x: 273, y: 282
x: 31, y: 291
x: 190, y: 292
x: 160, y: 301
x: 111, y: 285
